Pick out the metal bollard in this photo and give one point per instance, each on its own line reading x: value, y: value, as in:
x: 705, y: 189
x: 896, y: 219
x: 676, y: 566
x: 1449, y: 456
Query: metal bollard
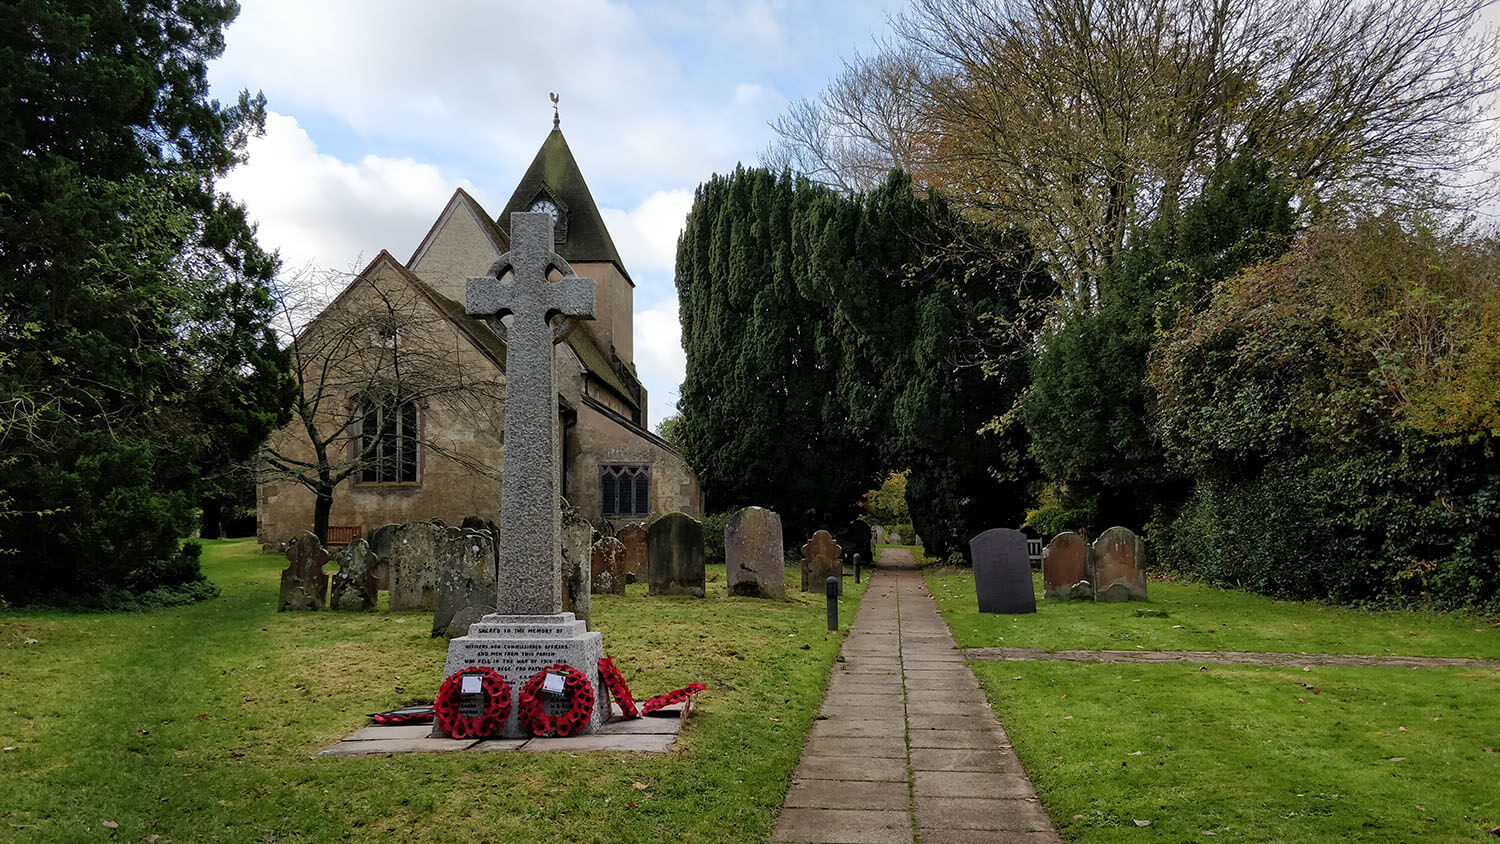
x: 832, y: 590
x: 856, y: 568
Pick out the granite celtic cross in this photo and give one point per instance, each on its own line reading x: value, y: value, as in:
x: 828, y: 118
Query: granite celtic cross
x: 530, y: 520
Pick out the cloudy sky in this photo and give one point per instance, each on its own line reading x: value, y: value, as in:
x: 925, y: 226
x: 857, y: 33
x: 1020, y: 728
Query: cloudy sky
x: 379, y: 109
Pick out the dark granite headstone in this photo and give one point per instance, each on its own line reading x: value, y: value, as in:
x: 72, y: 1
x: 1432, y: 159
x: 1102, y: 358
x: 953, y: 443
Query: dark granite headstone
x: 304, y: 586
x: 754, y: 556
x: 633, y: 537
x: 607, y: 567
x: 674, y: 552
x: 354, y: 587
x: 822, y: 558
x: 1002, y: 572
x: 1065, y: 565
x: 1119, y: 575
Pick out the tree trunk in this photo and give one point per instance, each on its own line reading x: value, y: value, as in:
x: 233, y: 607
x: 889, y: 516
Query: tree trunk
x: 321, y: 506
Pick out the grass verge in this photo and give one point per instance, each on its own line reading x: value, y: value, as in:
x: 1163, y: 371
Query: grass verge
x: 200, y: 723
x: 1203, y: 618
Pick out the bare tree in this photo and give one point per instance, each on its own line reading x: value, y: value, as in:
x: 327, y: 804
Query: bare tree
x: 1082, y: 119
x: 365, y: 366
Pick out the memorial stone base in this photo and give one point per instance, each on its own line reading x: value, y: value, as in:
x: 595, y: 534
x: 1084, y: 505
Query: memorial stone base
x: 518, y: 646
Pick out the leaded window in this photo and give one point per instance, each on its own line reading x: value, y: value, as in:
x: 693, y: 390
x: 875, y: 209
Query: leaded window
x: 624, y: 491
x: 388, y: 439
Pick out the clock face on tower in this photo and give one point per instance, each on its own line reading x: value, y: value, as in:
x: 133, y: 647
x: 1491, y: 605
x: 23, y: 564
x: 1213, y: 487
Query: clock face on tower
x: 546, y: 205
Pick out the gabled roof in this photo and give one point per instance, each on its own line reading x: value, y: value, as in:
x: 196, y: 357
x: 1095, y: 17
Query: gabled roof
x: 554, y: 171
x: 499, y: 238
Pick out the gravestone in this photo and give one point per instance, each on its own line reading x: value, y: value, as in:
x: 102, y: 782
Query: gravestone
x: 466, y: 580
x: 578, y: 537
x: 354, y: 587
x: 633, y: 537
x: 415, y: 555
x: 674, y: 556
x: 754, y: 554
x: 380, y: 541
x: 1065, y: 568
x: 894, y: 538
x: 1118, y: 559
x: 856, y: 540
x: 821, y: 559
x: 529, y: 629
x: 877, y: 535
x: 304, y: 586
x: 607, y: 567
x: 1002, y: 572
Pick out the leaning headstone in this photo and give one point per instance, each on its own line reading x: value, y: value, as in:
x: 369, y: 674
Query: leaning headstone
x: 354, y: 588
x: 1118, y: 559
x: 304, y: 586
x: 1002, y: 572
x: 674, y: 556
x: 467, y: 576
x: 530, y: 630
x: 607, y: 567
x: 633, y: 537
x: 754, y: 554
x: 1065, y: 566
x: 577, y: 553
x: 821, y: 559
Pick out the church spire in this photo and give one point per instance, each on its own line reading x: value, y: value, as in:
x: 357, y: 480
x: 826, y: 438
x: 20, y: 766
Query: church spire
x: 556, y: 123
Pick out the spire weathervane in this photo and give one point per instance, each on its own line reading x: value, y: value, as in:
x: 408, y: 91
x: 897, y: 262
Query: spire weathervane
x: 555, y: 122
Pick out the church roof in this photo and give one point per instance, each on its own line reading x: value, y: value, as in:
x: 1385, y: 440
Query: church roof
x: 554, y: 173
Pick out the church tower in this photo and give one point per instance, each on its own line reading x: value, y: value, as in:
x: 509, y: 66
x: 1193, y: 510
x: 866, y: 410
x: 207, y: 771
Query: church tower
x: 553, y: 183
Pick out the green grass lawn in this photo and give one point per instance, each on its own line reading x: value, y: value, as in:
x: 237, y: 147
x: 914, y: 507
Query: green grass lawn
x: 200, y: 723
x: 1202, y: 618
x: 1244, y: 753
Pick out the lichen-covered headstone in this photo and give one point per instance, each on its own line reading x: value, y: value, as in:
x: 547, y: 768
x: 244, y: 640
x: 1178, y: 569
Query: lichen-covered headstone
x: 633, y: 537
x: 577, y: 551
x: 304, y: 586
x: 467, y: 577
x: 754, y: 554
x: 1065, y: 566
x: 1002, y: 572
x: 822, y: 558
x: 607, y: 567
x: 1119, y: 559
x: 415, y: 554
x: 674, y: 556
x: 380, y: 540
x: 354, y: 586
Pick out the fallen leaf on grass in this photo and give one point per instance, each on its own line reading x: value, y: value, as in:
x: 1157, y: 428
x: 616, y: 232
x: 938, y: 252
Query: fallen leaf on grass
x: 152, y: 837
x: 1486, y: 750
x: 1209, y: 832
x: 1402, y: 729
x: 111, y: 825
x: 1142, y: 823
x: 638, y: 786
x: 1398, y: 758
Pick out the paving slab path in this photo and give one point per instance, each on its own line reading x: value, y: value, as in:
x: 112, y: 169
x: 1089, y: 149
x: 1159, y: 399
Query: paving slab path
x: 907, y: 748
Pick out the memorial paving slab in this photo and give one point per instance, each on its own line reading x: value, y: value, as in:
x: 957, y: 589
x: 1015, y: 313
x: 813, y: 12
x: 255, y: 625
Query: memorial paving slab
x: 656, y: 733
x: 906, y: 748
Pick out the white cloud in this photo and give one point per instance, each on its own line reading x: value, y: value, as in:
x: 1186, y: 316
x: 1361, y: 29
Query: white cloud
x: 659, y: 357
x: 647, y: 236
x: 317, y: 209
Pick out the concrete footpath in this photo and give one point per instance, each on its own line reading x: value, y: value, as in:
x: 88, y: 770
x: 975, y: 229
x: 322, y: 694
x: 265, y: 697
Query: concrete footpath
x: 907, y: 748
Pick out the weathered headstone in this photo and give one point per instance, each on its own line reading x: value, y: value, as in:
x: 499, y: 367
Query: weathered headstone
x: 354, y: 588
x: 466, y: 580
x: 754, y: 554
x: 633, y: 537
x: 1002, y: 572
x: 822, y: 558
x: 577, y: 551
x: 380, y: 541
x: 416, y: 554
x: 607, y: 567
x: 877, y: 535
x: 1065, y: 567
x: 530, y: 630
x: 304, y: 586
x: 674, y: 556
x: 895, y: 538
x: 1118, y: 559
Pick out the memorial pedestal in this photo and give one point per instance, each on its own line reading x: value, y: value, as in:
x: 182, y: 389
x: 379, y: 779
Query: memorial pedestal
x: 518, y: 646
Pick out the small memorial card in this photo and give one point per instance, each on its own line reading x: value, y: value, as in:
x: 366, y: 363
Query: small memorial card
x: 473, y: 684
x: 553, y: 685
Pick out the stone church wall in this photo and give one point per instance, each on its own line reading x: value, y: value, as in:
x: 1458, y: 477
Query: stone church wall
x: 602, y: 438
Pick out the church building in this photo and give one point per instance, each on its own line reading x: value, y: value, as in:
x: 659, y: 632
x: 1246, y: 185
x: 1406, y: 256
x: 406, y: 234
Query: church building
x: 435, y: 456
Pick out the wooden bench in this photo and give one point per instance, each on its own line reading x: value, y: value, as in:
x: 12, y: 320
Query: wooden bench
x: 341, y: 535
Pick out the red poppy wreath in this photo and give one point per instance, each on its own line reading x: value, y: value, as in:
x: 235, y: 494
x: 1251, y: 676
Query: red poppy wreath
x: 675, y: 696
x: 533, y: 710
x: 615, y: 682
x: 488, y: 723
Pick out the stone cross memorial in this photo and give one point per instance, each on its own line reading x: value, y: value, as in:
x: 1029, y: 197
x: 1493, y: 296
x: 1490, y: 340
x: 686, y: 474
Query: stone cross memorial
x: 529, y: 630
x: 1002, y: 572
